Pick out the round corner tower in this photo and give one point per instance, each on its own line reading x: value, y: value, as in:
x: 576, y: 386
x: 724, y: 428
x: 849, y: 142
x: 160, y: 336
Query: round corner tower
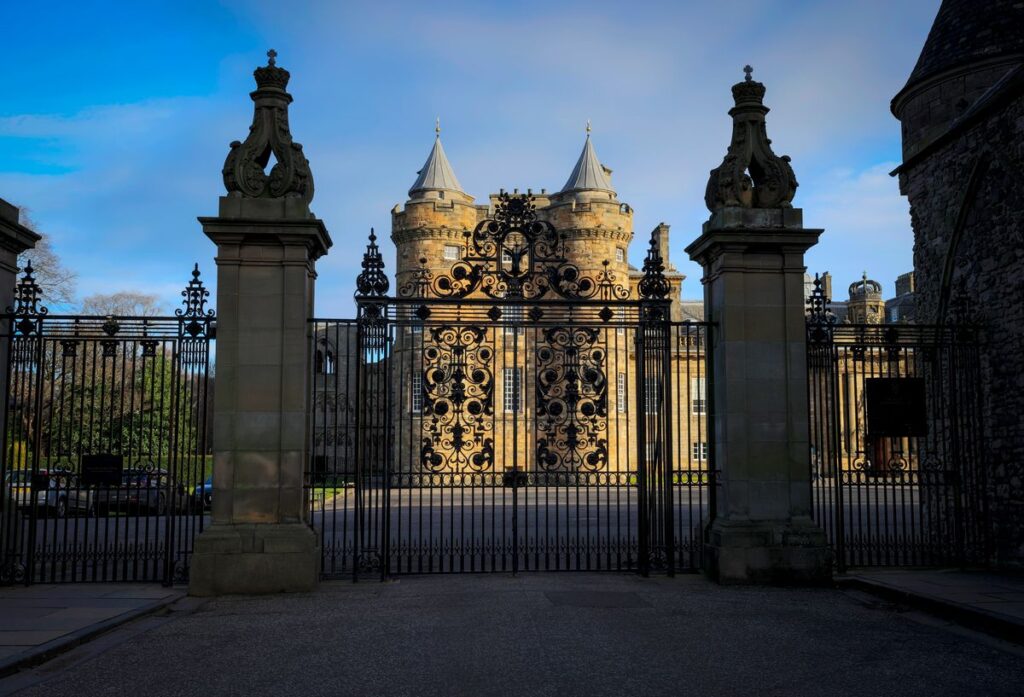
x: 429, y: 230
x: 597, y: 226
x: 970, y: 47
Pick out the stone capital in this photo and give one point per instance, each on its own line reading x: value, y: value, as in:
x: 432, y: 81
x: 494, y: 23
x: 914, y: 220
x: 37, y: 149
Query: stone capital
x: 15, y: 238
x: 736, y: 233
x: 283, y: 222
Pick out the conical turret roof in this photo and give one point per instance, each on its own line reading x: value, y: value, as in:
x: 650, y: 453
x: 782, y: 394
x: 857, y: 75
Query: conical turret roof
x: 437, y: 173
x: 589, y: 174
x: 966, y: 31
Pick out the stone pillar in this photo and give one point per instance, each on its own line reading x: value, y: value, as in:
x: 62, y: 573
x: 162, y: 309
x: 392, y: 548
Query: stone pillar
x: 752, y: 251
x: 15, y: 238
x: 267, y: 244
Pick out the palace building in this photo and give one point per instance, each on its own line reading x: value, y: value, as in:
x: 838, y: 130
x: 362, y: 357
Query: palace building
x: 594, y: 229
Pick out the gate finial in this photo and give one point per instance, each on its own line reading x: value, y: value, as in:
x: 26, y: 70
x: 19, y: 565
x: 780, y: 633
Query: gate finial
x: 194, y: 302
x: 820, y: 318
x: 27, y: 295
x: 654, y: 285
x: 372, y: 282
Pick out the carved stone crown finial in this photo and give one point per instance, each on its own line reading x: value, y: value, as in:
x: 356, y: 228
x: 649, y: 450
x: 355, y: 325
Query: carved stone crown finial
x: 270, y: 76
x: 751, y: 175
x: 245, y: 167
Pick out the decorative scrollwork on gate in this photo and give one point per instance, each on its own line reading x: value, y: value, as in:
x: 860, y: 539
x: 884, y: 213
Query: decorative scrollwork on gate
x: 418, y: 285
x: 515, y: 255
x: 572, y: 400
x: 458, y: 401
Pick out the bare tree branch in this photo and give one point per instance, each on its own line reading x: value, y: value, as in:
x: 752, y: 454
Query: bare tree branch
x: 58, y: 283
x: 125, y: 302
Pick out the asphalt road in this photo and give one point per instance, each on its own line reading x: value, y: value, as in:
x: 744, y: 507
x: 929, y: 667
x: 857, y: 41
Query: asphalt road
x: 541, y: 635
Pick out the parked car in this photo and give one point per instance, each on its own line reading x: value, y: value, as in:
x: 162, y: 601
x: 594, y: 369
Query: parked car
x: 142, y: 491
x: 202, y: 495
x: 55, y: 492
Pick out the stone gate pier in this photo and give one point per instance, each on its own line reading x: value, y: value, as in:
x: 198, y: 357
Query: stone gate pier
x: 267, y: 244
x: 752, y: 251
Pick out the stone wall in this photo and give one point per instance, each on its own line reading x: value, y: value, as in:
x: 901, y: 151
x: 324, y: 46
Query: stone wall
x: 978, y: 264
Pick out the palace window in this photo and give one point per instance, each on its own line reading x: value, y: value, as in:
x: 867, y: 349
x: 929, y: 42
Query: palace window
x: 653, y: 450
x: 512, y: 381
x: 513, y: 316
x: 417, y: 393
x: 699, y: 451
x: 620, y: 392
x: 452, y: 252
x: 652, y: 395
x: 620, y: 254
x: 324, y: 358
x: 698, y: 396
x: 894, y: 314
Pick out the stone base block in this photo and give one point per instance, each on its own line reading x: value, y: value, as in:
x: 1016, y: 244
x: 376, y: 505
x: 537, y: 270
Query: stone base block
x: 784, y: 552
x: 254, y: 559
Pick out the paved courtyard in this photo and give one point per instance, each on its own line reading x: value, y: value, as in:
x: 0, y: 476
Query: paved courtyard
x: 542, y: 634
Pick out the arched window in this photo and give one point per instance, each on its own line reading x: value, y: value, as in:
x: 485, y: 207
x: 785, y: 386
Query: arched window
x: 325, y: 361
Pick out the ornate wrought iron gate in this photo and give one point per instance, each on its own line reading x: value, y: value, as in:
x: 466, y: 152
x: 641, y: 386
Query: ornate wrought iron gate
x: 512, y: 414
x: 896, y: 457
x: 106, y: 441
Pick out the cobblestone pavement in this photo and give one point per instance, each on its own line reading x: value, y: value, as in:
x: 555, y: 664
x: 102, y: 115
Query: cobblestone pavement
x: 546, y: 634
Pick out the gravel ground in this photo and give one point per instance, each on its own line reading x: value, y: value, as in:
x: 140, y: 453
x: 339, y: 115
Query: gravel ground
x: 547, y: 634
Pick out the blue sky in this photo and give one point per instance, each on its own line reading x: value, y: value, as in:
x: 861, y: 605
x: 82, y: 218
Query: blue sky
x: 117, y: 116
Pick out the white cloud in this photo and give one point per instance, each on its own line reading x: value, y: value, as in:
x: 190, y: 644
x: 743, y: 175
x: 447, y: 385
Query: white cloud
x: 867, y: 226
x: 513, y: 88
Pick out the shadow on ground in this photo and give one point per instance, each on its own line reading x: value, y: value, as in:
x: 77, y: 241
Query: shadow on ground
x: 548, y: 634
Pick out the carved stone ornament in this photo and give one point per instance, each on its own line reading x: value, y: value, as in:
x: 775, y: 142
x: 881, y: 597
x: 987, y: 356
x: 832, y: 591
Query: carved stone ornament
x: 245, y: 166
x: 751, y: 175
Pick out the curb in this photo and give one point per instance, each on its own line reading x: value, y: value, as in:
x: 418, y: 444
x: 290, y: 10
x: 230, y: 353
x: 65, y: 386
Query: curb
x: 970, y: 616
x: 51, y: 649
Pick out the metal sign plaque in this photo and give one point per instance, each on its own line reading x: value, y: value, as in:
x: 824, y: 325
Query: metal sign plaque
x: 896, y: 406
x: 102, y: 470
